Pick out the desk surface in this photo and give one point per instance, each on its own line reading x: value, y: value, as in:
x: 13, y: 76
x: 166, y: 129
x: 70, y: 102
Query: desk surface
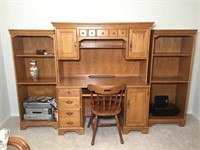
x: 102, y: 81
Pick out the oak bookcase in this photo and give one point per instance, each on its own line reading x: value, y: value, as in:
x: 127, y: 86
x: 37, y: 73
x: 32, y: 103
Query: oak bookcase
x: 170, y: 70
x: 24, y: 44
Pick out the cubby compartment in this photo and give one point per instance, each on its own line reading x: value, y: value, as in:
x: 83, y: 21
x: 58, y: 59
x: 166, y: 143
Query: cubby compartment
x: 26, y: 91
x: 27, y: 45
x: 173, y: 45
x: 171, y: 69
x: 46, y: 67
x: 177, y: 94
x: 106, y: 62
x: 102, y: 44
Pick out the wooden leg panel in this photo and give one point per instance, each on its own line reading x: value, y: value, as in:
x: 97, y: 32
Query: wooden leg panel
x: 126, y: 130
x: 78, y: 131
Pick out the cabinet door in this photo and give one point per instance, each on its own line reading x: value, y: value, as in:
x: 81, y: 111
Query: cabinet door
x: 138, y: 44
x: 67, y: 45
x: 137, y: 107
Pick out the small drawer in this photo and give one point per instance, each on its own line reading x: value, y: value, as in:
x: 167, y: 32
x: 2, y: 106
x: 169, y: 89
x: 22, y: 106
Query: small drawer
x: 112, y: 32
x: 122, y: 32
x: 92, y: 33
x: 69, y: 122
x: 68, y: 92
x: 102, y: 32
x: 70, y: 113
x: 83, y: 32
x: 65, y: 102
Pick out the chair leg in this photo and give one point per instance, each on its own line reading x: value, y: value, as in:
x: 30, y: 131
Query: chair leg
x: 90, y: 121
x: 94, y: 129
x: 119, y: 129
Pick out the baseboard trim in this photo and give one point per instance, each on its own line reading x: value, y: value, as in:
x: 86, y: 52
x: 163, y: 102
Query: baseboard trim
x: 196, y: 116
x: 4, y: 120
x: 15, y: 114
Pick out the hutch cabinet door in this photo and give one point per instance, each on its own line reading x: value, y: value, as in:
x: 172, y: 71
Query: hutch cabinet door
x: 137, y: 107
x: 67, y: 45
x: 138, y: 44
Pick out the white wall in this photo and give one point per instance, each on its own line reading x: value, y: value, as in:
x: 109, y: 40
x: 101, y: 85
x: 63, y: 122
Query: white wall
x: 4, y: 101
x: 37, y: 14
x: 195, y: 92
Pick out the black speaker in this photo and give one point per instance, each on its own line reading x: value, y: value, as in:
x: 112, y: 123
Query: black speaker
x: 161, y: 101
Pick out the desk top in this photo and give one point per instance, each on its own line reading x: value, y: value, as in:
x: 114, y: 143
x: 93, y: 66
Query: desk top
x: 82, y: 82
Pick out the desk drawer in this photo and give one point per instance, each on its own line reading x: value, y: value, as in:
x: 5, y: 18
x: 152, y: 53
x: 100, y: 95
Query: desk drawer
x: 102, y: 32
x: 92, y: 32
x: 70, y: 113
x: 67, y: 92
x: 65, y: 102
x: 122, y: 32
x: 69, y: 122
x: 113, y: 32
x: 83, y: 32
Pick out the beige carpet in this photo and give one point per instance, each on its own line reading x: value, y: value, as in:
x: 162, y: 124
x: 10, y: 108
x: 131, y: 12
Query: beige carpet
x: 160, y: 137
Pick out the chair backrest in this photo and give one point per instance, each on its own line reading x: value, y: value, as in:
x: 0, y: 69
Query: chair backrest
x: 18, y: 143
x: 106, y: 99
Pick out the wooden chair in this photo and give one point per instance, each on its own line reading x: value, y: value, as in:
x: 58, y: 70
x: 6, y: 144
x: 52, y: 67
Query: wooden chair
x: 105, y: 102
x: 18, y: 143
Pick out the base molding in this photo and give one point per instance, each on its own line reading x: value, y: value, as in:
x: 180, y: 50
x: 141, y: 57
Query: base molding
x: 195, y: 115
x: 5, y: 119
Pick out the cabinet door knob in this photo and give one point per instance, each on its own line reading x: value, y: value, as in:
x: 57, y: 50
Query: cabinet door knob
x: 74, y: 44
x: 69, y: 113
x: 69, y: 102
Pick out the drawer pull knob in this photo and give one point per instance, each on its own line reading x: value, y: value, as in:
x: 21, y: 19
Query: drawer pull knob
x: 122, y: 32
x: 69, y: 113
x: 102, y: 32
x: 69, y: 123
x: 69, y: 102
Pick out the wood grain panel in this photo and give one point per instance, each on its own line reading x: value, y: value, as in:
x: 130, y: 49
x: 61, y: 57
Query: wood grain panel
x: 168, y: 45
x: 165, y: 66
x: 164, y: 89
x: 31, y: 44
x: 46, y: 67
x: 40, y: 90
x: 101, y: 62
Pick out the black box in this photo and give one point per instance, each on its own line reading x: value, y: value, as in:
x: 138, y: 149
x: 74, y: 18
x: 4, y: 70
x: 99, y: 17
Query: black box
x: 161, y: 101
x: 170, y: 110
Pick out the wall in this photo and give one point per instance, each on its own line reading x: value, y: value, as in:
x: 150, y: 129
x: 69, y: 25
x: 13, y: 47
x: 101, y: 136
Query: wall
x: 4, y: 101
x: 38, y: 14
x: 195, y: 91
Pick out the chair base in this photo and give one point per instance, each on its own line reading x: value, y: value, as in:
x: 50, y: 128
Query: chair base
x: 94, y: 122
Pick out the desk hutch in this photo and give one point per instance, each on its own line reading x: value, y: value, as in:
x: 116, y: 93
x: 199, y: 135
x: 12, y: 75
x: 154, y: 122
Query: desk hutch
x: 105, y: 54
